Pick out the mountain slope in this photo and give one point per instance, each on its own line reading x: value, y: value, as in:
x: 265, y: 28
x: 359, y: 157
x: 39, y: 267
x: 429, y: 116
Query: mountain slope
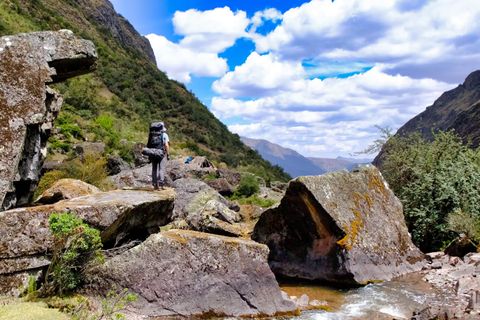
x: 336, y: 164
x: 457, y: 109
x: 116, y: 104
x: 291, y: 161
x: 445, y: 111
x: 297, y: 165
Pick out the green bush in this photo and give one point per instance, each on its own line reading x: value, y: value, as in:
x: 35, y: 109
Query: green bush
x: 256, y: 200
x: 466, y: 223
x: 91, y: 168
x: 248, y: 186
x: 433, y: 179
x: 75, y: 246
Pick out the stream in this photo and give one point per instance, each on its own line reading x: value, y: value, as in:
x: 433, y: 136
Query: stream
x: 396, y: 299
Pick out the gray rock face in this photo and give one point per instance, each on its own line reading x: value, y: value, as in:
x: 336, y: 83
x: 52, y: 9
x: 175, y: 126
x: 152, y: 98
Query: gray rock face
x: 185, y: 273
x: 25, y: 239
x: 28, y: 107
x: 204, y: 209
x: 141, y: 176
x: 341, y: 227
x: 201, y: 208
x: 103, y: 13
x: 222, y: 186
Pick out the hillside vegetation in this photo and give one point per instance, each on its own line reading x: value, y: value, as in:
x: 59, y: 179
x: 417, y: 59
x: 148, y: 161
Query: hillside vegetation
x: 438, y: 183
x: 116, y: 103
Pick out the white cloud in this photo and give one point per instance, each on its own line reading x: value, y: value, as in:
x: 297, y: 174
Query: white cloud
x: 259, y: 75
x: 205, y: 35
x: 402, y: 33
x: 211, y: 30
x: 180, y: 63
x: 259, y: 18
x: 333, y: 116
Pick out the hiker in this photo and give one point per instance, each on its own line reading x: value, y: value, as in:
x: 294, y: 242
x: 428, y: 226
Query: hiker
x: 157, y: 150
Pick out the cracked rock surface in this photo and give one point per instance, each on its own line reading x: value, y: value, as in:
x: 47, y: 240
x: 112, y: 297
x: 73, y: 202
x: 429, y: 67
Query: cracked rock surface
x: 28, y: 107
x: 185, y: 273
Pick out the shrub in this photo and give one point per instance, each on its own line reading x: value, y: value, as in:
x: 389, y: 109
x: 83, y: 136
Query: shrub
x: 91, y: 168
x: 75, y: 246
x: 256, y: 200
x: 47, y: 180
x: 466, y: 223
x: 248, y: 186
x: 433, y: 179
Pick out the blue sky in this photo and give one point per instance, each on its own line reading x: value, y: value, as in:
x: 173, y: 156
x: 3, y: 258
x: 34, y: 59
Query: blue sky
x: 315, y: 76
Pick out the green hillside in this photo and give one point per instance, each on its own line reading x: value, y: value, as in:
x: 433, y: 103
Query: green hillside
x: 116, y: 103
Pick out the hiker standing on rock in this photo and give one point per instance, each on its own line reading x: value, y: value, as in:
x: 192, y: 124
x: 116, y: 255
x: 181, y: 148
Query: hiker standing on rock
x: 157, y: 150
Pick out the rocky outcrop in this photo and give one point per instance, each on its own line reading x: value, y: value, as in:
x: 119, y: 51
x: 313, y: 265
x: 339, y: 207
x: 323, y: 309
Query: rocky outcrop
x: 345, y: 228
x: 222, y: 186
x: 25, y: 239
x: 185, y: 273
x: 202, y: 208
x: 65, y: 189
x: 102, y: 13
x: 141, y: 177
x: 28, y: 107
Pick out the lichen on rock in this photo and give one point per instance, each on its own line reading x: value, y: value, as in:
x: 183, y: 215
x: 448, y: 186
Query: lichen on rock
x: 345, y: 228
x: 28, y: 107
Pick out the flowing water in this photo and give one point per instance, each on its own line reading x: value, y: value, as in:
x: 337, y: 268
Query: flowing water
x: 395, y: 299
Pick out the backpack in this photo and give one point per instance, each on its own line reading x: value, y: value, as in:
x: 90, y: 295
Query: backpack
x: 155, y: 147
x: 156, y: 140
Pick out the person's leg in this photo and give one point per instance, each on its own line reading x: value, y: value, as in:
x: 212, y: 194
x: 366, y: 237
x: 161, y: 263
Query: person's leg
x: 163, y: 166
x: 154, y: 173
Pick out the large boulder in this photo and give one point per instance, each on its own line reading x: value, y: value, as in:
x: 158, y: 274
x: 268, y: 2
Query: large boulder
x: 186, y: 273
x: 202, y: 208
x: 28, y: 106
x: 25, y: 239
x: 65, y: 189
x: 222, y: 186
x: 345, y: 228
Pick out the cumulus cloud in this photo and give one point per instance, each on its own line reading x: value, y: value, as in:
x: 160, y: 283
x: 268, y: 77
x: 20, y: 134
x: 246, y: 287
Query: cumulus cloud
x: 260, y: 75
x: 332, y: 116
x: 260, y: 17
x: 205, y: 35
x: 211, y: 30
x: 402, y: 33
x: 328, y: 72
x: 180, y: 63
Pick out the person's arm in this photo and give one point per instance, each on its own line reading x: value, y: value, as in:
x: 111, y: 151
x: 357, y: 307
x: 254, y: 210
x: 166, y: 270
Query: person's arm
x: 166, y: 145
x: 167, y: 149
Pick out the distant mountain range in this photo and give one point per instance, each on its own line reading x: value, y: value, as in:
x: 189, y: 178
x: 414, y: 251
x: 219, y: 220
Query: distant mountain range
x: 297, y: 165
x: 457, y: 109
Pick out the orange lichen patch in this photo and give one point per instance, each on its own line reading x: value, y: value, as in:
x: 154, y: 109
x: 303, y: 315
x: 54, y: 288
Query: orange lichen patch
x: 375, y: 183
x: 352, y: 231
x: 175, y: 236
